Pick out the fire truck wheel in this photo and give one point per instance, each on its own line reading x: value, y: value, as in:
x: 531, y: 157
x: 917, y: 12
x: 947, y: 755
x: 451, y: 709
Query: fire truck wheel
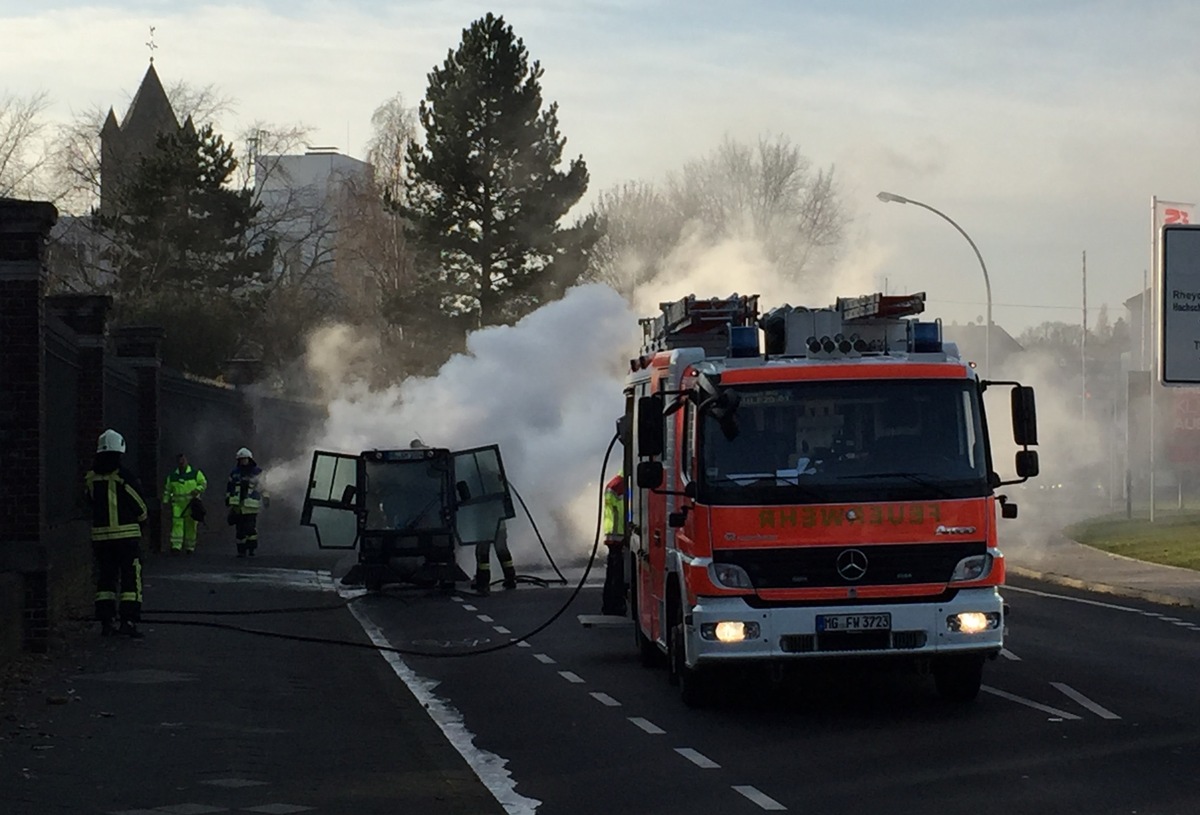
x: 958, y: 678
x: 694, y: 685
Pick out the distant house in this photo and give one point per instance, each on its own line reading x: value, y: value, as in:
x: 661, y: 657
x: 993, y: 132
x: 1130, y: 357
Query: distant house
x: 972, y: 341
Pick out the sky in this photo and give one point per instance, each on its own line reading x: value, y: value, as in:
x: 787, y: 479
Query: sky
x: 1042, y: 129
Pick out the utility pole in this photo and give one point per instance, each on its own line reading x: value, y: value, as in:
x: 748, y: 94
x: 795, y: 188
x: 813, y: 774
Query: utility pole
x: 1083, y: 348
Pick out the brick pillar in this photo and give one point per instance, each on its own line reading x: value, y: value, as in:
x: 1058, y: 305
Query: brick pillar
x: 141, y: 347
x: 87, y: 316
x: 24, y: 227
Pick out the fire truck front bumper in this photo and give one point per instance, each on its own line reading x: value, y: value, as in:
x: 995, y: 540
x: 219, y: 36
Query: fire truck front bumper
x: 723, y: 629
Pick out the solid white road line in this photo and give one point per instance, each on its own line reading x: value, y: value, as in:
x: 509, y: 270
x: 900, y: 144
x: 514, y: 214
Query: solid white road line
x: 487, y: 765
x: 545, y: 659
x: 699, y: 759
x: 1007, y: 654
x: 1085, y: 602
x: 1020, y: 700
x: 647, y: 725
x: 762, y: 799
x: 571, y: 677
x: 605, y: 699
x: 1083, y: 701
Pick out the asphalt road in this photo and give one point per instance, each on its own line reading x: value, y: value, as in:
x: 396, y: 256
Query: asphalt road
x: 1092, y: 708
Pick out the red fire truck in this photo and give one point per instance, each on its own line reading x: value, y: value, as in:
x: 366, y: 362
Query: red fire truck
x: 814, y: 483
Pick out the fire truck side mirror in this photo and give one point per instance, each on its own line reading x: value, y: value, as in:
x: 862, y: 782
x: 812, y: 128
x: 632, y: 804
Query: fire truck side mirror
x: 1024, y: 416
x: 1027, y: 463
x: 649, y: 474
x: 650, y: 427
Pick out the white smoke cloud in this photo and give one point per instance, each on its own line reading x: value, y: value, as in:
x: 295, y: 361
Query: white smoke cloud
x: 546, y: 390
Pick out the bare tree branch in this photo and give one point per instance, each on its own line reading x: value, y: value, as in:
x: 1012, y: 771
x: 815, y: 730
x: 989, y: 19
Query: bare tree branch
x: 23, y: 148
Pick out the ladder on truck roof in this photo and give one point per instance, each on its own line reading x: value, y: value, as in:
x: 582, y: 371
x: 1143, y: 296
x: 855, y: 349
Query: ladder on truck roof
x: 698, y: 322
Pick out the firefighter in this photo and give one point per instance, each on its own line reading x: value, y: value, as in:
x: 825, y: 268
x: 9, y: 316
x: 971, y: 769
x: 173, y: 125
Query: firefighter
x: 483, y: 561
x: 614, y: 538
x: 245, y: 495
x: 118, y: 511
x: 184, y: 486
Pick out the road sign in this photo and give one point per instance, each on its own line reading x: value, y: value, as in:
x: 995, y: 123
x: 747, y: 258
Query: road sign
x: 1179, y: 336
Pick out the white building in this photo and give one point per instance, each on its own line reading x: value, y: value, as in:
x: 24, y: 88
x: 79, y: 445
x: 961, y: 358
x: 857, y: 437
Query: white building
x: 306, y: 200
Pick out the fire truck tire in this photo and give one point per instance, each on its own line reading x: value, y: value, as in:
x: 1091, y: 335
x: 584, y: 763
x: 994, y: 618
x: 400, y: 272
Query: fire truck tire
x: 958, y: 678
x: 694, y: 685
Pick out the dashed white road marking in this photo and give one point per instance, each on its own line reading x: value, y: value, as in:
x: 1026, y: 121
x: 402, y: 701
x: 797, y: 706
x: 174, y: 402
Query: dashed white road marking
x: 647, y: 725
x: 1083, y: 701
x: 457, y: 599
x: 469, y: 607
x: 699, y: 759
x: 1021, y: 700
x: 1007, y: 654
x: 523, y: 644
x: 499, y: 629
x: 763, y: 800
x: 545, y: 659
x: 572, y: 677
x: 1170, y: 619
x: 605, y: 699
x: 483, y: 618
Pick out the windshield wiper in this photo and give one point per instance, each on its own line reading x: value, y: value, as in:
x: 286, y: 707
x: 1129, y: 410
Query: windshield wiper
x: 763, y: 480
x: 917, y: 478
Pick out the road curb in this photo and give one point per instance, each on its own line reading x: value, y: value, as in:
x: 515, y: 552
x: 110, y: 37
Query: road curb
x: 1159, y: 598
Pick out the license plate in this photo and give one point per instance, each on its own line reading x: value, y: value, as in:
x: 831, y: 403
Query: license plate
x: 853, y: 622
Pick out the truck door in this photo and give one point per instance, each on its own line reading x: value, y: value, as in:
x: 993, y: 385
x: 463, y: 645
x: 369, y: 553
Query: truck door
x: 333, y: 499
x: 482, y: 494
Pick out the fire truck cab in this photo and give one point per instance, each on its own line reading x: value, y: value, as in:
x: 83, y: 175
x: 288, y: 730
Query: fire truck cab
x: 814, y: 483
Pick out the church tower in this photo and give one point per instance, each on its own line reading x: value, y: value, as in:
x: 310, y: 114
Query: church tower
x: 123, y: 144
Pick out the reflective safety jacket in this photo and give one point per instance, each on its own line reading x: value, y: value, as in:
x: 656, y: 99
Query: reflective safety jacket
x: 181, y: 487
x: 614, y: 510
x: 117, y: 506
x: 246, y: 489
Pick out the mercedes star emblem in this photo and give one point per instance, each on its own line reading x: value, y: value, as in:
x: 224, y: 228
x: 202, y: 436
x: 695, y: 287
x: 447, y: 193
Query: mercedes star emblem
x: 852, y: 564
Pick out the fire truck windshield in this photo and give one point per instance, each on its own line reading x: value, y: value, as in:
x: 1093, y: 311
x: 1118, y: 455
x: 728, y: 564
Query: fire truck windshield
x: 838, y: 441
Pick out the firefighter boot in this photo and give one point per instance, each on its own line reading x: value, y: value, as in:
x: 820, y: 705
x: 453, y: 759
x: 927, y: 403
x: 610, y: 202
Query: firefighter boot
x: 483, y: 580
x: 510, y: 575
x: 130, y: 630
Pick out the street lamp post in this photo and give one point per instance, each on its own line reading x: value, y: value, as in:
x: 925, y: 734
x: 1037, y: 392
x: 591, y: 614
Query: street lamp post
x: 892, y: 198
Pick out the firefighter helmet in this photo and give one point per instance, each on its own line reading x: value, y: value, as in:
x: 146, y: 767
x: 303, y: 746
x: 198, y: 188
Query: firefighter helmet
x: 244, y: 452
x: 110, y: 441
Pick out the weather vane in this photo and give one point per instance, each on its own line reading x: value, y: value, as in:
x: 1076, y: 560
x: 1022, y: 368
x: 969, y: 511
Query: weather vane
x: 151, y: 45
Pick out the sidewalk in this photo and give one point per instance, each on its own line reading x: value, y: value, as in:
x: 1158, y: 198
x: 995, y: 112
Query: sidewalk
x: 202, y: 719
x: 1057, y: 559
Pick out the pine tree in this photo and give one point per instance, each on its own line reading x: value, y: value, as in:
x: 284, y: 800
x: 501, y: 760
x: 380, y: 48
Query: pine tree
x: 180, y: 252
x: 485, y: 197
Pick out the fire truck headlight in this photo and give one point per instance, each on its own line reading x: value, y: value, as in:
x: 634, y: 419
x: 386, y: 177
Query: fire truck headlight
x: 973, y: 622
x: 730, y: 631
x: 972, y: 568
x: 729, y: 575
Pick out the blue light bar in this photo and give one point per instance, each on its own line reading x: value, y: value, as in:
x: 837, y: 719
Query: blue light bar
x: 743, y: 341
x: 924, y: 338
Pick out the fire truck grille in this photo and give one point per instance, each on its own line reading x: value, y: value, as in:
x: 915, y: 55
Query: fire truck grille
x: 852, y: 641
x: 849, y: 565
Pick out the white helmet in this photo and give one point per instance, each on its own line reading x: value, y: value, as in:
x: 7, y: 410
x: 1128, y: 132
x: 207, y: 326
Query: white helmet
x: 110, y: 441
x: 244, y: 453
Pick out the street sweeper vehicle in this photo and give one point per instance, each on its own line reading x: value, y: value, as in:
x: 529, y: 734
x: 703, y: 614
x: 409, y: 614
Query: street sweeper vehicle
x: 406, y: 510
x: 814, y: 484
